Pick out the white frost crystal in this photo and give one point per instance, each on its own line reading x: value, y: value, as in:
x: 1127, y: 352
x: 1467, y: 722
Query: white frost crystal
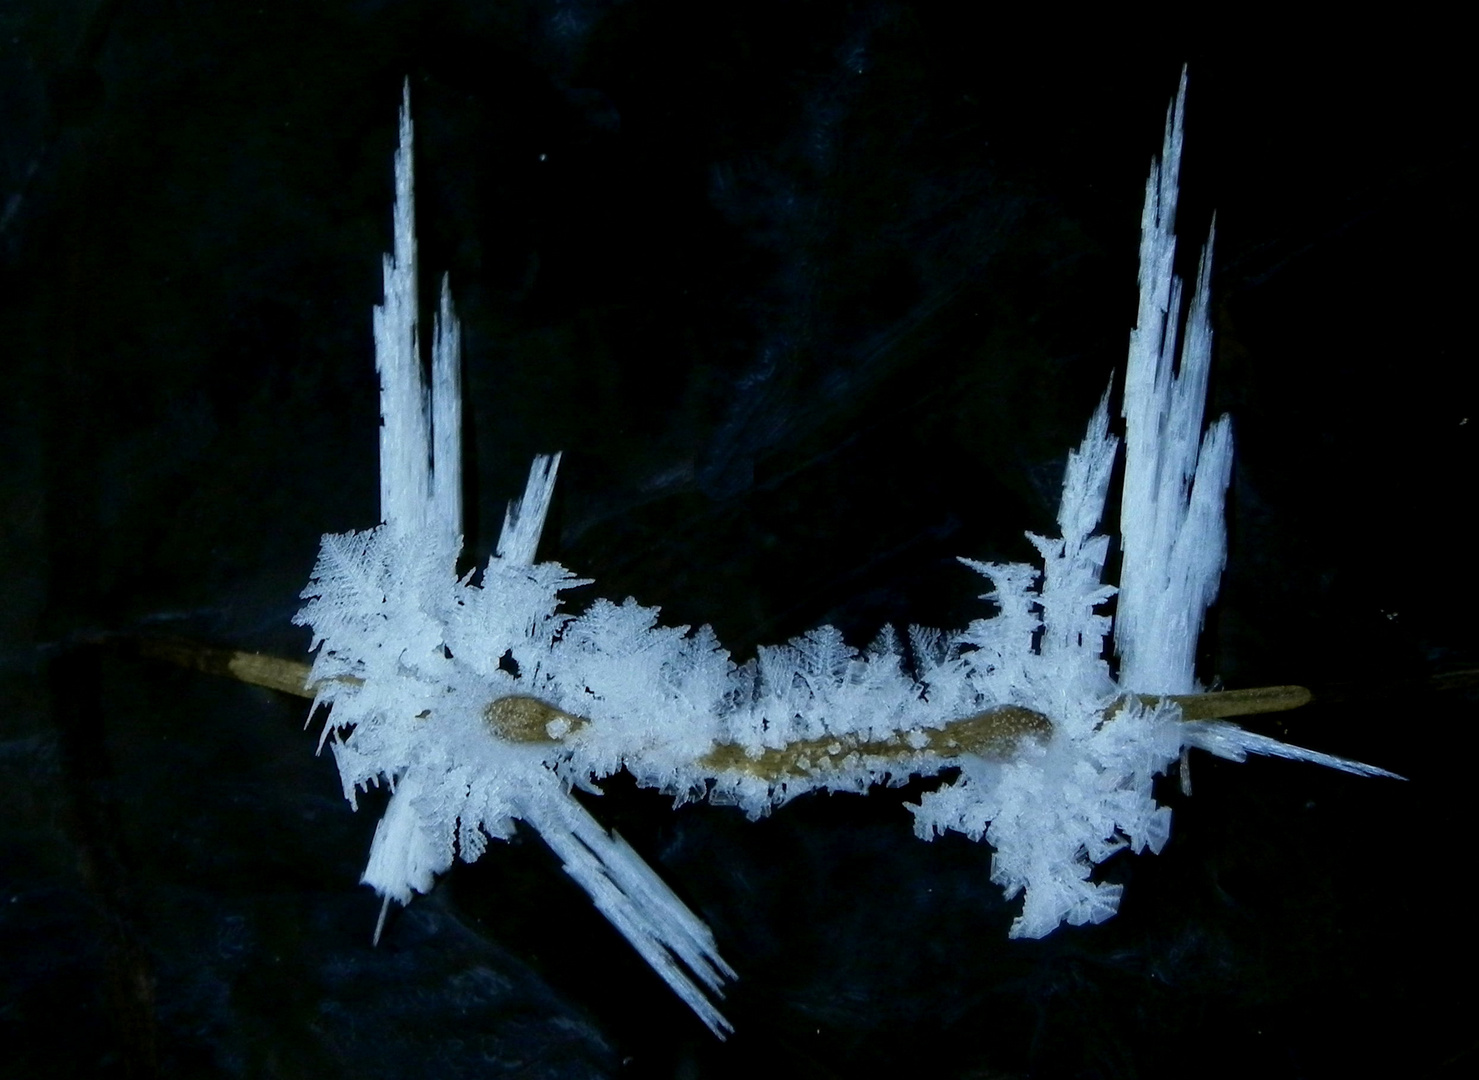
x: 1175, y: 477
x: 479, y: 703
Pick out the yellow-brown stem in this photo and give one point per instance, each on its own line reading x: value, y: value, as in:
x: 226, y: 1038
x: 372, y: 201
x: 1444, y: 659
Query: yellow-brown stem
x: 520, y: 718
x: 991, y: 733
x: 528, y: 719
x: 273, y: 672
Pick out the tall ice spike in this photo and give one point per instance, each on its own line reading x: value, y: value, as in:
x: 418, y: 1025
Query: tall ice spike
x: 446, y: 417
x: 1171, y: 514
x: 420, y: 431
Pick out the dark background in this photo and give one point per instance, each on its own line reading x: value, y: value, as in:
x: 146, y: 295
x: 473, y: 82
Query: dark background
x: 815, y: 297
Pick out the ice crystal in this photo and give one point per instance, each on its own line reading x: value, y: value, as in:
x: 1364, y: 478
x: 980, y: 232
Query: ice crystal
x: 479, y: 703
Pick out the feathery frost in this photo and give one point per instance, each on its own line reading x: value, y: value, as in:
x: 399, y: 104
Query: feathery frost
x: 479, y: 703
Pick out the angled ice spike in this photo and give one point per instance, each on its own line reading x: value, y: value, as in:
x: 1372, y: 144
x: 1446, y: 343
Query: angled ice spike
x: 636, y: 901
x: 524, y: 520
x: 478, y: 703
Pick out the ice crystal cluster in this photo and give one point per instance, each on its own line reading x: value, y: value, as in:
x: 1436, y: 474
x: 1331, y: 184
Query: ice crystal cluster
x: 480, y: 703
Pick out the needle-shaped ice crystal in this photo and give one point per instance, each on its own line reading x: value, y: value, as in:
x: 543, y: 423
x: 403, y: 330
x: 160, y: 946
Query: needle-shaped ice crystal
x: 479, y: 703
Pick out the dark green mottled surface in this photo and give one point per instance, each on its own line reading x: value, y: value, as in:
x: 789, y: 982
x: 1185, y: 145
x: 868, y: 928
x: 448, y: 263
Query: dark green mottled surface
x: 815, y: 297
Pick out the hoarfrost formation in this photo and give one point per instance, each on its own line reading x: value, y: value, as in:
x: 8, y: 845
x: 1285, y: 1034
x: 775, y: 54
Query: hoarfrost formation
x: 413, y: 660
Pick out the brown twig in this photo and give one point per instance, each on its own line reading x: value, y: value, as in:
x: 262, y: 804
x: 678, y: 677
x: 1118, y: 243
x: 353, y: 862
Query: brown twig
x: 520, y: 718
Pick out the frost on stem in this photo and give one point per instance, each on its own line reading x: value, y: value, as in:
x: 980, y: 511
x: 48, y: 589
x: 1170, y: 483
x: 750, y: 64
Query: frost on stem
x: 481, y: 703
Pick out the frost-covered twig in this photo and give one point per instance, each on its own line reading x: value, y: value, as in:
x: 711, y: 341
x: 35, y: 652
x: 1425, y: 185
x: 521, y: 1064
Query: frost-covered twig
x: 478, y: 702
x: 519, y: 718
